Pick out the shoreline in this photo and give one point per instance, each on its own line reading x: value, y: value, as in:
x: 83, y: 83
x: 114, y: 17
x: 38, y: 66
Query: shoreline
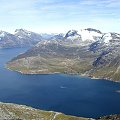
x: 82, y: 75
x: 38, y: 112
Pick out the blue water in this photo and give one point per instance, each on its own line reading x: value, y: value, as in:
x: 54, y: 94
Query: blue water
x: 70, y: 94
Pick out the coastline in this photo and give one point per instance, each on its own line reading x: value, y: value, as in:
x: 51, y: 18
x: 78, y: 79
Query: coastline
x: 18, y: 111
x: 118, y: 91
x: 50, y: 73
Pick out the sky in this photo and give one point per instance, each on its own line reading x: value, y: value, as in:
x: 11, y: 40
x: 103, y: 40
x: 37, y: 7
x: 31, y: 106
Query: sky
x: 59, y: 16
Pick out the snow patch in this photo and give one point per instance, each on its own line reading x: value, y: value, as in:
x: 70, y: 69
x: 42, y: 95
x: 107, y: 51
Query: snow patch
x: 2, y: 34
x: 74, y: 37
x: 107, y: 37
x: 89, y: 35
x: 23, y: 31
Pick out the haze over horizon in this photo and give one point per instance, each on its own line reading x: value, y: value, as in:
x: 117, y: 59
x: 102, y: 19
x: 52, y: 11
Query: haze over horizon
x: 55, y: 16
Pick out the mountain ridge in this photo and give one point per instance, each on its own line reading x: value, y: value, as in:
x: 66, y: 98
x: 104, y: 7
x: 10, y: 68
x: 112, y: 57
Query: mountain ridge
x: 22, y: 38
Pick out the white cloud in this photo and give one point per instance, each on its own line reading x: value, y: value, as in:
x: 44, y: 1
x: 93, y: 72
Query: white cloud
x: 55, y: 15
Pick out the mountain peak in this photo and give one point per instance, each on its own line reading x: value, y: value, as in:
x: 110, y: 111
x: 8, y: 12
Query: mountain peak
x: 19, y: 30
x: 71, y: 33
x: 93, y: 30
x: 22, y: 31
x: 3, y: 33
x: 111, y: 37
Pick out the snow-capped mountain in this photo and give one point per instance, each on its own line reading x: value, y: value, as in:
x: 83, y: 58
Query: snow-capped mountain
x: 7, y: 40
x: 111, y: 38
x: 84, y: 34
x: 21, y: 38
x: 48, y: 36
x: 73, y: 37
x: 27, y: 37
x: 22, y: 32
x: 90, y: 34
x: 83, y: 37
x: 2, y: 34
x: 72, y: 33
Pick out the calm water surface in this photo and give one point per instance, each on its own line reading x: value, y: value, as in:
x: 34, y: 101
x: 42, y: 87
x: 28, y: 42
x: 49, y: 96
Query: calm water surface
x: 69, y: 94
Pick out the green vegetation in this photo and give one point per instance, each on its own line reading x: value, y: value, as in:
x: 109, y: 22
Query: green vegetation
x: 40, y: 65
x: 49, y: 65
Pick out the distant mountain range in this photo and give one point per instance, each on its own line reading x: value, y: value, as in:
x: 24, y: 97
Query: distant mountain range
x: 87, y: 52
x: 21, y: 38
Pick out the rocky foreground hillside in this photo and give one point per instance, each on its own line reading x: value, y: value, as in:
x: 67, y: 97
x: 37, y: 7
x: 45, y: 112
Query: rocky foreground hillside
x: 21, y: 112
x: 87, y: 52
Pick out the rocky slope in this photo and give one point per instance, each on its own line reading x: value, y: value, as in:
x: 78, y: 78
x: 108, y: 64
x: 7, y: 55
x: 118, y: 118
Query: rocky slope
x: 21, y: 112
x: 110, y: 117
x: 86, y: 52
x: 10, y: 111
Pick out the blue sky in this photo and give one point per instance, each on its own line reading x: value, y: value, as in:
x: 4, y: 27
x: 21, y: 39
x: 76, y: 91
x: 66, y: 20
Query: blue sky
x: 54, y: 16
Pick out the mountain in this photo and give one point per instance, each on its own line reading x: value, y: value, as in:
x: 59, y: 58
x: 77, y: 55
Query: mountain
x: 81, y: 38
x: 7, y: 40
x: 87, y: 52
x: 84, y: 36
x: 50, y: 36
x: 27, y: 37
x: 21, y: 38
